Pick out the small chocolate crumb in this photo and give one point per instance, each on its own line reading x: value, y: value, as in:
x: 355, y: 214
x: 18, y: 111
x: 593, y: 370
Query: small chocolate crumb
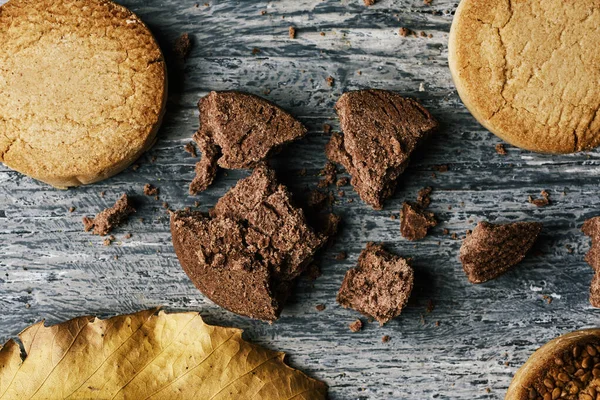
x: 329, y: 174
x: 313, y: 272
x: 165, y: 205
x: 301, y: 172
x: 127, y: 236
x: 110, y: 218
x: 441, y: 168
x: 263, y: 12
x: 501, y: 150
x: 427, y: 2
x: 356, y: 326
x: 422, y: 34
x: 102, y: 193
x: 342, y: 182
x: 320, y: 307
x: 153, y: 159
x: 341, y: 193
x: 369, y: 2
x: 191, y: 149
x: 341, y: 256
x: 430, y: 306
x: 330, y: 81
x: 182, y: 46
x: 322, y: 33
x: 255, y: 51
x: 446, y: 231
x: 135, y: 167
x: 437, y: 323
x: 326, y: 129
x: 292, y: 32
x: 150, y: 190
x: 547, y: 298
x: 107, y: 242
x: 404, y: 32
x: 385, y: 339
x: 415, y: 222
x: 454, y: 236
x: 544, y: 201
x: 71, y: 209
x: 423, y: 199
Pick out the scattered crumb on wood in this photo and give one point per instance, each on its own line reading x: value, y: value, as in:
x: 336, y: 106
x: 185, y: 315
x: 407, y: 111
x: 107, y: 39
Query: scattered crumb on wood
x: 313, y: 272
x: 547, y: 298
x: 404, y: 32
x: 342, y: 182
x: 441, y: 168
x: 135, y: 167
x: 330, y: 81
x: 341, y: 256
x: 430, y: 306
x: 501, y: 150
x: 191, y: 149
x: 326, y: 129
x: 255, y: 51
x: 369, y: 2
x: 127, y: 236
x: 150, y: 190
x: 356, y: 326
x: 544, y: 201
x: 385, y: 339
x: 71, y: 209
x: 320, y: 307
x: 329, y: 174
x: 182, y: 46
x: 292, y: 32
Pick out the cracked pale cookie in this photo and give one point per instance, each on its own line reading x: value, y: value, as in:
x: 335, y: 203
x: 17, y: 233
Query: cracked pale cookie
x: 82, y: 89
x: 529, y: 70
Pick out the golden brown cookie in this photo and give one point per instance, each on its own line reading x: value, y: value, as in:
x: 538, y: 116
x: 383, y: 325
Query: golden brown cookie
x: 82, y: 89
x: 529, y: 70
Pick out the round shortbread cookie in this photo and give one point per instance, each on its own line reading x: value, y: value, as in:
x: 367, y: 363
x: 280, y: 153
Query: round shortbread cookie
x: 82, y: 89
x: 529, y: 70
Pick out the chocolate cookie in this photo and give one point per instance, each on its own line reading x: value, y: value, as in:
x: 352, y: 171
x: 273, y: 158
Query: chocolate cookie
x: 591, y: 228
x: 379, y: 286
x: 83, y: 89
x: 381, y: 130
x: 247, y: 254
x: 492, y: 249
x: 528, y: 70
x: 238, y: 131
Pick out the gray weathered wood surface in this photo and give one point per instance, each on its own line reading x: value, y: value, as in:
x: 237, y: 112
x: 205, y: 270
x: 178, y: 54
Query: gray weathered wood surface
x: 50, y: 268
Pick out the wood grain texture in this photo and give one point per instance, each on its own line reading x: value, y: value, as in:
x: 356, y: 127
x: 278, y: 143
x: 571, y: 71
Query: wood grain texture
x: 50, y: 268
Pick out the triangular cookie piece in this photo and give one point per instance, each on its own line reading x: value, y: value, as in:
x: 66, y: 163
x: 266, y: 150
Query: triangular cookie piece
x: 379, y: 286
x: 491, y: 249
x: 381, y: 131
x: 238, y: 131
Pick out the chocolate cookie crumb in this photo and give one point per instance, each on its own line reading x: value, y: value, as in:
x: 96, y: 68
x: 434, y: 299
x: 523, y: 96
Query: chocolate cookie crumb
x: 441, y: 168
x: 493, y: 249
x: 342, y: 182
x: 415, y: 222
x: 430, y: 307
x: 182, y: 46
x: 127, y: 236
x: 544, y: 201
x: 191, y: 149
x: 446, y: 231
x: 110, y: 218
x: 71, y: 209
x: 255, y: 51
x: 326, y: 129
x: 150, y: 190
x: 329, y: 174
x: 385, y: 339
x: 379, y: 286
x: 356, y: 326
x: 341, y: 256
x: 330, y: 81
x: 591, y: 228
x: 427, y: 2
x: 501, y: 150
x: 369, y: 2
x: 313, y: 272
x: 404, y: 32
x: 381, y: 131
x: 423, y: 197
x: 292, y: 32
x: 320, y: 307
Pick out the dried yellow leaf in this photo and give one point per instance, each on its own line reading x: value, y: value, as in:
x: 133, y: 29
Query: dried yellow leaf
x: 146, y: 355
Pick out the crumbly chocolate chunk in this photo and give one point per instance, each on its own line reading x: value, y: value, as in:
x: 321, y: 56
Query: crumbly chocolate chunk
x: 500, y: 149
x: 110, y: 218
x: 415, y: 222
x: 292, y: 32
x: 150, y: 190
x: 247, y: 254
x: 491, y: 249
x: 239, y: 131
x: 329, y: 174
x: 379, y: 286
x: 182, y: 46
x: 544, y: 201
x: 591, y: 228
x: 356, y: 326
x: 381, y: 130
x: 191, y: 149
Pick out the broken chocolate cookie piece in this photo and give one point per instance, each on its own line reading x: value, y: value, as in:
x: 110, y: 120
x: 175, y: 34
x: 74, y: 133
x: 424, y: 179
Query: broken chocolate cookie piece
x: 379, y: 286
x: 239, y: 131
x: 248, y: 253
x: 415, y: 222
x: 492, y: 249
x: 110, y: 218
x: 591, y: 228
x: 381, y: 129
